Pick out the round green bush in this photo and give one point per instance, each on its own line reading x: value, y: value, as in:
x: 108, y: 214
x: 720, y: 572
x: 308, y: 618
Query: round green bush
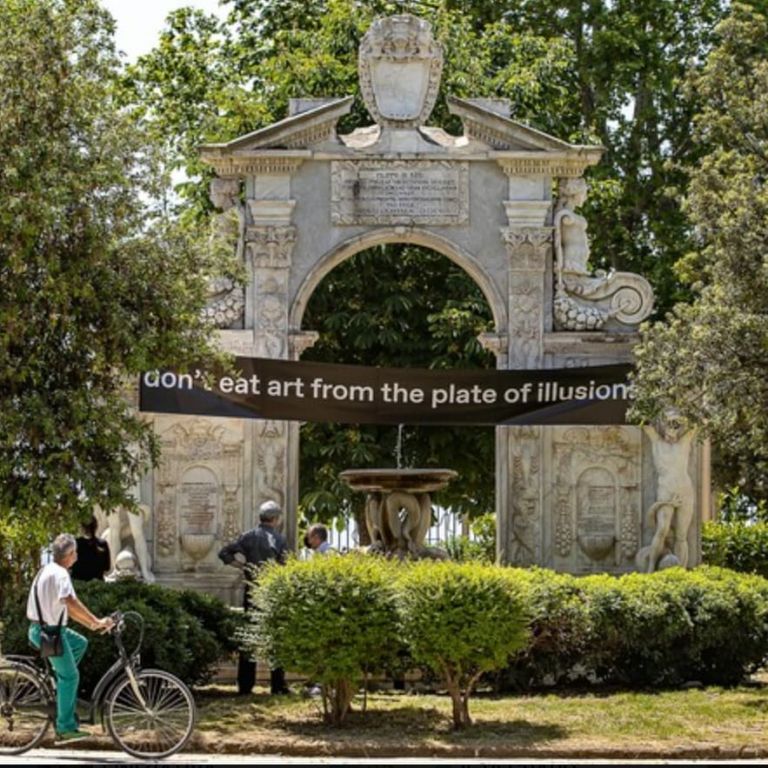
x: 331, y: 618
x: 461, y: 620
x: 185, y: 633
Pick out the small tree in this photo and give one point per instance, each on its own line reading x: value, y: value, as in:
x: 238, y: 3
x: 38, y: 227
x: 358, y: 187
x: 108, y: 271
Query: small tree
x: 461, y: 620
x: 332, y: 619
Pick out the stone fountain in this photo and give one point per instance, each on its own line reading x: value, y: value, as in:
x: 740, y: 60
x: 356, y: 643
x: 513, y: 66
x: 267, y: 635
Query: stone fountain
x: 398, y: 507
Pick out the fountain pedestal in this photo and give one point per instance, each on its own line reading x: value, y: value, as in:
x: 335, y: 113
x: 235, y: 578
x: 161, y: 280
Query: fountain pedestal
x: 398, y: 507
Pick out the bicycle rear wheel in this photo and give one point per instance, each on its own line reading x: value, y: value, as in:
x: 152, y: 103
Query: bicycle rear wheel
x: 156, y: 719
x: 25, y: 709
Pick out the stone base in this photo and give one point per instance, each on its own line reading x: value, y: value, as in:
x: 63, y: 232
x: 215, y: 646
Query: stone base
x: 226, y: 586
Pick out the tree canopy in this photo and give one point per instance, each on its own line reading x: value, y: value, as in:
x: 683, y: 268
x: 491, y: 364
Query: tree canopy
x: 709, y: 358
x: 98, y: 283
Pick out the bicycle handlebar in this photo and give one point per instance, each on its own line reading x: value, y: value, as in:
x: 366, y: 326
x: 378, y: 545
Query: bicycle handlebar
x: 119, y: 617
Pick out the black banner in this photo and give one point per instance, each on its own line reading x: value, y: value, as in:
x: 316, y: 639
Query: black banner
x: 306, y: 391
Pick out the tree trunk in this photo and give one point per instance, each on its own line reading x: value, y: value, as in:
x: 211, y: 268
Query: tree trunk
x: 339, y: 698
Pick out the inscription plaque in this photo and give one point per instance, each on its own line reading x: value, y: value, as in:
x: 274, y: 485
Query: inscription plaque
x: 398, y: 192
x: 199, y: 501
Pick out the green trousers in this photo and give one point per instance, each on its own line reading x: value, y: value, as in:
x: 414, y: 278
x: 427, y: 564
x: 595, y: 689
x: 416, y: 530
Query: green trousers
x: 67, y: 674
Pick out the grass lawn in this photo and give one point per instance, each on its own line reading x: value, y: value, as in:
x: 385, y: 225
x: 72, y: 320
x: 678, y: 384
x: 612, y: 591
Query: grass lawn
x: 711, y: 722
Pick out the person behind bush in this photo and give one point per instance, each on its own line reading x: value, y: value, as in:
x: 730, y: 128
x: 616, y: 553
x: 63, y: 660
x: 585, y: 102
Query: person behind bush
x: 256, y: 547
x: 317, y: 539
x: 53, y: 590
x: 92, y: 555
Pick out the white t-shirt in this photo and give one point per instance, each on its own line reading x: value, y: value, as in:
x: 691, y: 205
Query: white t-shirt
x: 53, y: 585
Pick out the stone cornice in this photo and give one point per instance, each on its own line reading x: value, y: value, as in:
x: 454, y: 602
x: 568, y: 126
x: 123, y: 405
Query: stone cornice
x: 311, y: 124
x: 570, y: 164
x: 585, y: 344
x: 265, y: 162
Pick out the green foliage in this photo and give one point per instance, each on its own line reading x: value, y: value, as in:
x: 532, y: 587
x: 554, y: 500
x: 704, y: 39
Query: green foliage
x: 737, y: 545
x: 184, y: 633
x: 709, y: 624
x: 480, y: 547
x: 460, y: 620
x: 733, y: 506
x: 560, y: 631
x: 332, y: 619
x: 98, y: 284
x: 462, y: 549
x: 707, y: 359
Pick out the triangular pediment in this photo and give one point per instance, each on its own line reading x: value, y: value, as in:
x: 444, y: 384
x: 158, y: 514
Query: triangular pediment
x: 489, y: 125
x: 298, y: 131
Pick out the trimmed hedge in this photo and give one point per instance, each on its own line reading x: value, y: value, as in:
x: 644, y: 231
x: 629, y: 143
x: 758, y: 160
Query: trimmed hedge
x: 185, y: 633
x: 737, y: 545
x: 708, y: 624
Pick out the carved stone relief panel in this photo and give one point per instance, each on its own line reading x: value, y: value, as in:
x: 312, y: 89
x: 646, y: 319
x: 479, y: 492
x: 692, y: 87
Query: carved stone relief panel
x: 198, y: 491
x: 595, y: 498
x: 269, y: 250
x: 523, y: 544
x: 527, y: 249
x: 400, y: 64
x: 271, y: 463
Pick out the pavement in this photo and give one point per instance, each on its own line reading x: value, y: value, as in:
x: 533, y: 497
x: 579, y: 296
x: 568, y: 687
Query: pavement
x: 93, y: 757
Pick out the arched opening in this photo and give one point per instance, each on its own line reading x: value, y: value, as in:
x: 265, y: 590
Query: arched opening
x: 399, y: 305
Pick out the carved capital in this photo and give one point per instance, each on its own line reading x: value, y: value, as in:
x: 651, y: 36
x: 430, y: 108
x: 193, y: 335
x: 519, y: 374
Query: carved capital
x: 271, y: 246
x: 300, y: 341
x: 527, y: 247
x: 498, y: 343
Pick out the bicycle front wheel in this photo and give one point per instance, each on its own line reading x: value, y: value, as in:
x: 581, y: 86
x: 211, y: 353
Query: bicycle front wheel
x: 152, y: 719
x: 25, y: 709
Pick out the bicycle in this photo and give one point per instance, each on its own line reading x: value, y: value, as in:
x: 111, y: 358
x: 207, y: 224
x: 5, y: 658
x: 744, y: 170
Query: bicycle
x: 148, y: 713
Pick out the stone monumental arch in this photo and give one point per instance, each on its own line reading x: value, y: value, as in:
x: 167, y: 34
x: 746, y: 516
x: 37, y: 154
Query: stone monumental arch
x: 501, y: 201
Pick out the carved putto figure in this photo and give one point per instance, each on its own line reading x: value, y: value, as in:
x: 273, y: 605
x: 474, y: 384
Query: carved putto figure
x: 585, y: 302
x: 672, y: 513
x: 124, y: 532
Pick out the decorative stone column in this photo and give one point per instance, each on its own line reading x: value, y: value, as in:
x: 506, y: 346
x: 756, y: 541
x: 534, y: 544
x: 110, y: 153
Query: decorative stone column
x: 269, y: 241
x: 519, y: 484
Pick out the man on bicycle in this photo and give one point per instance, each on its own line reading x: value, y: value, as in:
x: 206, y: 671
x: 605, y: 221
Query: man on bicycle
x: 52, y: 590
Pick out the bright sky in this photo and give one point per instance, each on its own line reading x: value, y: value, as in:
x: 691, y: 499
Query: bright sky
x: 139, y: 21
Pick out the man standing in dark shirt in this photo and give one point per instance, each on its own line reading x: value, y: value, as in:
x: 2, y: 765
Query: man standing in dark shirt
x: 254, y: 548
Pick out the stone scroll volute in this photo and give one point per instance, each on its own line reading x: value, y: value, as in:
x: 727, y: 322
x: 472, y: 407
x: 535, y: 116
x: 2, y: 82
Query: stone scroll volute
x: 586, y: 301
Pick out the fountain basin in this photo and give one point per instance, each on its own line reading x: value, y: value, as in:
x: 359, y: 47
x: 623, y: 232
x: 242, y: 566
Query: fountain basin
x: 407, y: 480
x: 398, y: 508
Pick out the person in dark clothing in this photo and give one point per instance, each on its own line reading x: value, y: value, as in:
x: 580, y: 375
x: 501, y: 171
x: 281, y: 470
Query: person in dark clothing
x: 92, y: 554
x: 251, y: 550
